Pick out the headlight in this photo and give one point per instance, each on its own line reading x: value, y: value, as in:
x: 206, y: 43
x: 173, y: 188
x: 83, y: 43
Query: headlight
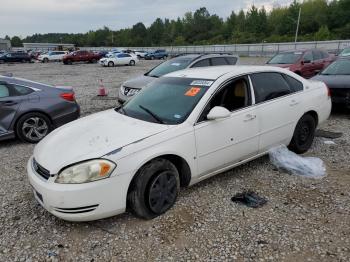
x: 85, y: 172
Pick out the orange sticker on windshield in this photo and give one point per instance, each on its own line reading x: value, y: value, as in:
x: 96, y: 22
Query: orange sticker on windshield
x: 193, y: 91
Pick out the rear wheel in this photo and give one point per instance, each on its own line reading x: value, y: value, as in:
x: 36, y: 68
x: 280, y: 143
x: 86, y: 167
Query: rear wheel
x: 93, y: 61
x: 132, y: 62
x: 33, y: 127
x: 110, y: 64
x: 45, y: 60
x: 154, y: 189
x: 304, y: 134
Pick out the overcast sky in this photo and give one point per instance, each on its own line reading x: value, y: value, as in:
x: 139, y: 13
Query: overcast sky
x: 26, y: 17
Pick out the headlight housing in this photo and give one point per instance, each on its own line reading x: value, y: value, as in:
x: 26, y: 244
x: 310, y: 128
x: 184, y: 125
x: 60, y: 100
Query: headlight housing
x: 86, y: 172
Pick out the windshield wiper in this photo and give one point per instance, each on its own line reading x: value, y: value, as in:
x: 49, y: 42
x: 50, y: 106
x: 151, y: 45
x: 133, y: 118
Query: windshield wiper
x: 152, y: 114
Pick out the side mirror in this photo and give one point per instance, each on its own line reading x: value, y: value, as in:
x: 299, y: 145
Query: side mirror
x: 306, y: 61
x: 218, y: 112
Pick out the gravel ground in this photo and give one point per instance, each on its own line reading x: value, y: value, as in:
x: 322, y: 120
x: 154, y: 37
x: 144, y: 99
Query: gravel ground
x: 304, y: 219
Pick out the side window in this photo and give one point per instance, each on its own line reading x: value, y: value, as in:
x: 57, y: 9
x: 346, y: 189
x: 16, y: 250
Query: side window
x: 217, y: 61
x: 202, y: 63
x: 294, y: 84
x: 317, y: 55
x: 308, y: 56
x: 233, y: 96
x: 325, y: 55
x: 231, y: 60
x: 22, y: 90
x: 268, y: 86
x: 4, y: 91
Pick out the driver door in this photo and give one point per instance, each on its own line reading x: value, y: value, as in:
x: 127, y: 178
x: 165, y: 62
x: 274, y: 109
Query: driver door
x: 224, y: 142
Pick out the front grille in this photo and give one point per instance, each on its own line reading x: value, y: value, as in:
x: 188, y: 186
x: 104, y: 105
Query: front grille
x: 76, y: 210
x: 41, y: 171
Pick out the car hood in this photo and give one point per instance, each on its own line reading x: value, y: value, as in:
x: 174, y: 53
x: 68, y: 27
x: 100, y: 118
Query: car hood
x: 91, y: 137
x: 139, y: 82
x: 334, y: 81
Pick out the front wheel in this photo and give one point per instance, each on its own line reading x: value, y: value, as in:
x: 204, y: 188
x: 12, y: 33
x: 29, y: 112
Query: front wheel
x: 110, y: 64
x: 304, y: 134
x: 33, y: 127
x: 154, y: 189
x: 45, y: 60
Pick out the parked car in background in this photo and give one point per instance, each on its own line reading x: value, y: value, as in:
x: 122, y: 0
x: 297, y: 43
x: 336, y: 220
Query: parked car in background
x: 52, y: 56
x: 134, y: 85
x: 163, y: 139
x: 35, y: 54
x: 337, y: 77
x: 30, y: 110
x: 158, y: 54
x: 15, y: 57
x: 140, y: 53
x: 345, y: 52
x: 305, y: 63
x: 103, y: 53
x: 81, y: 56
x: 118, y: 59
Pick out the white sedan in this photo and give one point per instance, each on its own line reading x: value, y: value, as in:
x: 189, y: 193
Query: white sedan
x: 118, y: 59
x: 52, y: 56
x: 185, y: 127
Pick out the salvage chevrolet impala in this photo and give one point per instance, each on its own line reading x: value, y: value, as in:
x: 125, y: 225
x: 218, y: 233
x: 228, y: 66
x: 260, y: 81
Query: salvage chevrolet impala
x: 183, y: 128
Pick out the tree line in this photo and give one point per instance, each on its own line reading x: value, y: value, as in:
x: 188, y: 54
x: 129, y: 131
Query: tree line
x: 320, y: 20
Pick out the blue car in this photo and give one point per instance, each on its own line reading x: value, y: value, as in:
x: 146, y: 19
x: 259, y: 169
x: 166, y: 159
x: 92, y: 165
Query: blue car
x: 158, y: 54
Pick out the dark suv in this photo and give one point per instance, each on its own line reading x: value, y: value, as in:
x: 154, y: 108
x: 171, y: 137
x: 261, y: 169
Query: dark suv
x: 15, y: 57
x: 306, y: 63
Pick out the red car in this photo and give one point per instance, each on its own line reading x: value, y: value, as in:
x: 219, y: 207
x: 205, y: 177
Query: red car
x: 306, y: 63
x: 81, y: 56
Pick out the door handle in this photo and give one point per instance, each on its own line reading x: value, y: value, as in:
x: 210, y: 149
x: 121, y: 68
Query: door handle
x: 9, y: 103
x: 249, y: 117
x: 293, y: 103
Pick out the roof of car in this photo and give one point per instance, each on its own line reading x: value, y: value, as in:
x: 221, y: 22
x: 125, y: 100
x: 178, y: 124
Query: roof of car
x: 214, y: 72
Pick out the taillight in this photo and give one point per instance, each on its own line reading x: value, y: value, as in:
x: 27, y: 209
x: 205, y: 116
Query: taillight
x: 68, y: 96
x: 328, y: 92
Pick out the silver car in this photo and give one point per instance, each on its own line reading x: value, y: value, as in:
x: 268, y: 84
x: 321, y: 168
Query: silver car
x: 132, y: 86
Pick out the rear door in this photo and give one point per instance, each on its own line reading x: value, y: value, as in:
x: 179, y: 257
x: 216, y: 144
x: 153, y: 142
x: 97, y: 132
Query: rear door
x: 276, y: 106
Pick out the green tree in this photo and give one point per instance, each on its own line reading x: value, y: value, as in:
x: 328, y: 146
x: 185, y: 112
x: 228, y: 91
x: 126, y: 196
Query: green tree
x: 16, y: 41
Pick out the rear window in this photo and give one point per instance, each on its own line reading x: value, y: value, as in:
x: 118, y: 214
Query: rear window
x: 217, y: 61
x: 294, y: 84
x: 231, y: 60
x: 285, y: 58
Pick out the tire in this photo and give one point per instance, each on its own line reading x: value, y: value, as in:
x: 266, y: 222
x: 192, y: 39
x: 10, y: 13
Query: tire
x: 33, y: 127
x: 304, y: 134
x: 152, y: 57
x: 132, y: 63
x: 67, y: 62
x: 110, y: 64
x: 93, y: 61
x: 45, y: 60
x: 154, y: 189
x: 24, y: 61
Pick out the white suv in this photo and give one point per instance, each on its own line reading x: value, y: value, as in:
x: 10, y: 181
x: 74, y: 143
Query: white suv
x: 52, y: 56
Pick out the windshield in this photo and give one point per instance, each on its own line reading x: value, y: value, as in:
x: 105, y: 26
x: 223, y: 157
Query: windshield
x: 168, y: 100
x: 339, y: 67
x: 172, y: 65
x: 345, y: 52
x: 285, y: 58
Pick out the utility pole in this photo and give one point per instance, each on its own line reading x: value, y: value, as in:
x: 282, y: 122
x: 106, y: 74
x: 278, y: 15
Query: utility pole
x: 296, y: 32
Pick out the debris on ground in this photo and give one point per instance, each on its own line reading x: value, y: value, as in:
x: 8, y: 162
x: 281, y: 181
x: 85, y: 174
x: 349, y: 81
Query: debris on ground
x: 289, y: 162
x: 329, y: 142
x: 328, y: 134
x: 250, y: 199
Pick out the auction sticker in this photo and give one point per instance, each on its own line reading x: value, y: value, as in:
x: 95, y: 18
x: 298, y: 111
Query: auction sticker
x: 193, y: 91
x: 202, y: 83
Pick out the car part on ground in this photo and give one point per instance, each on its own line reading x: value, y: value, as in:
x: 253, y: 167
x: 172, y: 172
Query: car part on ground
x: 132, y: 86
x: 250, y: 199
x: 30, y: 110
x: 167, y: 125
x: 328, y: 134
x: 305, y: 63
x: 287, y: 161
